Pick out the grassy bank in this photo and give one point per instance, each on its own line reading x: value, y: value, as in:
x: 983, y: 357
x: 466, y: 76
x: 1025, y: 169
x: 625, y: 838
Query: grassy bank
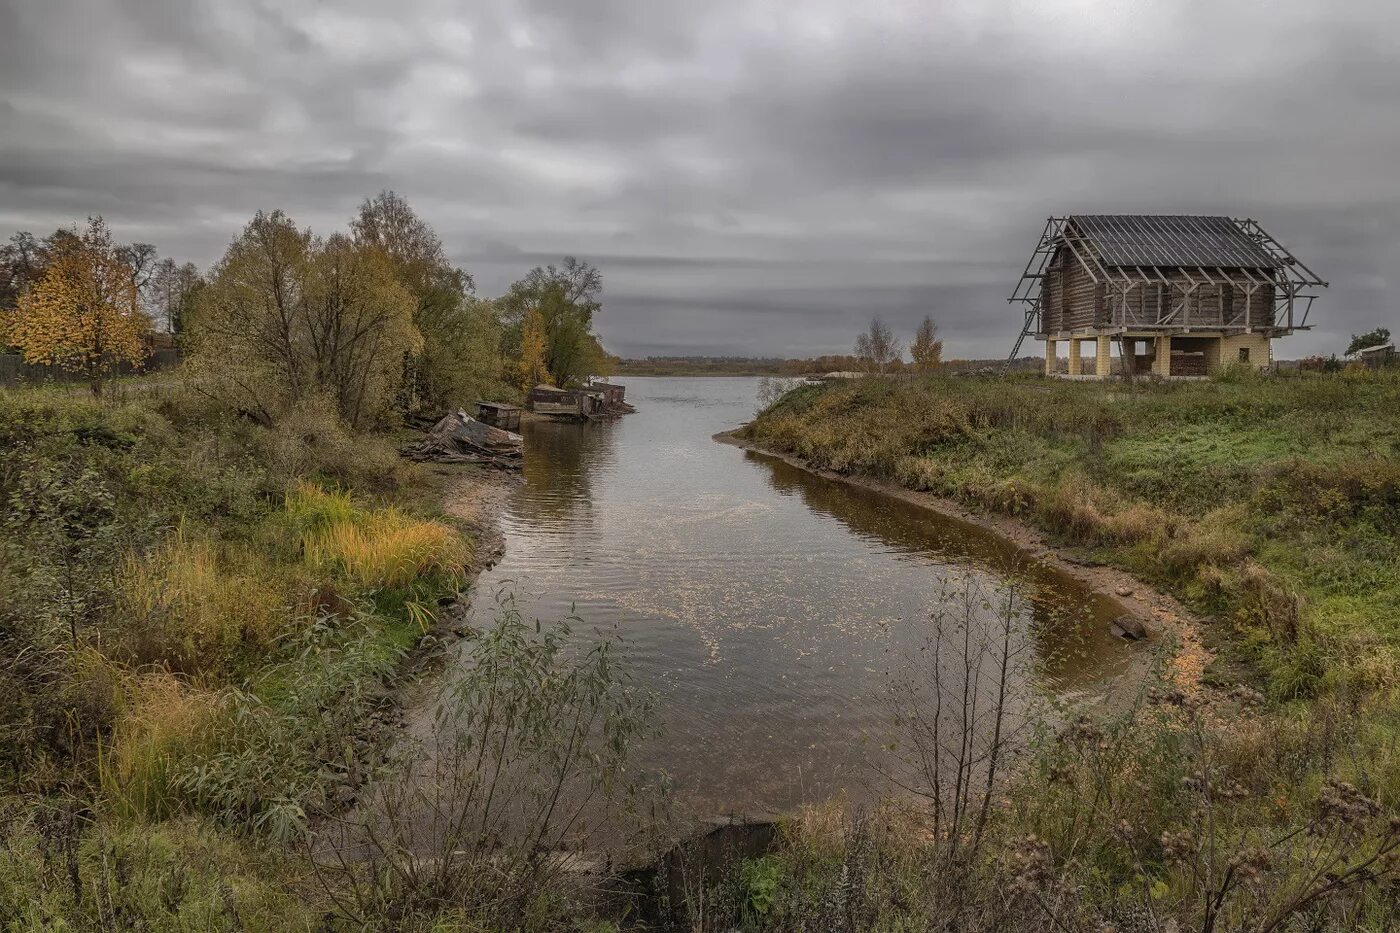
x: 202, y: 619
x: 1272, y: 505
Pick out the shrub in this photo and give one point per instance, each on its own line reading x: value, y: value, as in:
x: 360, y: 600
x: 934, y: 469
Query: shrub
x: 261, y: 760
x: 58, y: 871
x: 528, y: 755
x: 311, y: 441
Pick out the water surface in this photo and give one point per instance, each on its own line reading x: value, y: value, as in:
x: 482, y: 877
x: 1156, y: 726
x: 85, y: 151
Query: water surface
x: 763, y: 605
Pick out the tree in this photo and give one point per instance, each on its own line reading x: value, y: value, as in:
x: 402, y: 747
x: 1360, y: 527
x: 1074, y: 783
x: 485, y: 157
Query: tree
x: 877, y: 348
x: 532, y: 368
x: 82, y: 315
x: 22, y: 263
x: 927, y: 349
x: 461, y: 337
x: 559, y: 302
x: 287, y: 316
x: 173, y: 289
x: 1380, y: 335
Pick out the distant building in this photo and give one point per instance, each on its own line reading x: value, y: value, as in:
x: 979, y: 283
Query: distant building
x: 1382, y: 354
x: 613, y: 394
x: 1182, y: 295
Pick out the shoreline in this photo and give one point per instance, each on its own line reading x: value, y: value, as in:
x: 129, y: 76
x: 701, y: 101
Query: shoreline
x: 1164, y: 616
x: 472, y: 498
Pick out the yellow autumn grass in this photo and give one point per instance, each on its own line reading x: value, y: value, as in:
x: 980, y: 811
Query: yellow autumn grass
x: 377, y: 547
x: 165, y: 723
x: 193, y: 607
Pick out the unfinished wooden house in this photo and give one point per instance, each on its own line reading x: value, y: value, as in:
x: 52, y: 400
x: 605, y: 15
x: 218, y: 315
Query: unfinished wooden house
x: 1181, y: 295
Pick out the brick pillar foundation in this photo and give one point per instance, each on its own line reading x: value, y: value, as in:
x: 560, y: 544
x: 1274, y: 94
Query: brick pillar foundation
x: 1102, y: 360
x: 1162, y: 362
x: 1049, y: 357
x: 1075, y: 360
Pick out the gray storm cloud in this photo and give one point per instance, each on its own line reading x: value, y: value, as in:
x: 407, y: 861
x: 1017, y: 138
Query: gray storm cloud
x: 751, y: 178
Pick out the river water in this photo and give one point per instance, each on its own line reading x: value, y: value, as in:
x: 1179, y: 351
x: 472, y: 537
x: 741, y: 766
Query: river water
x: 764, y: 606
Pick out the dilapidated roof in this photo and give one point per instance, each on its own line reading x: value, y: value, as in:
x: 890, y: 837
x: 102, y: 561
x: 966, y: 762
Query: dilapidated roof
x: 1172, y: 240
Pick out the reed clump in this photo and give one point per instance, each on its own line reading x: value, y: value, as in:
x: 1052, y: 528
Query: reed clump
x: 199, y: 608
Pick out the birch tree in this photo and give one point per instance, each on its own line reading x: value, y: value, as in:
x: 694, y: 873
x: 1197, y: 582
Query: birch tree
x: 877, y: 348
x: 927, y: 349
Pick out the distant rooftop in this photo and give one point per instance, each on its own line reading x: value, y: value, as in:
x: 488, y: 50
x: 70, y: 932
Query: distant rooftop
x: 1172, y: 240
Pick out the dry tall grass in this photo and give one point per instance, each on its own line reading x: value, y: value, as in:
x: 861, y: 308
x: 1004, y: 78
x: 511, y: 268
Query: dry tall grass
x: 195, y: 607
x: 374, y: 548
x: 165, y: 724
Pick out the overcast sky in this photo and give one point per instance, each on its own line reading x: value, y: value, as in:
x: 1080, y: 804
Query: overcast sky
x: 752, y: 178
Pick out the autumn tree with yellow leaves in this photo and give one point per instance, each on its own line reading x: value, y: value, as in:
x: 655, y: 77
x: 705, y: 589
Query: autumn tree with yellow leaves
x: 82, y: 315
x: 927, y: 349
x: 531, y: 366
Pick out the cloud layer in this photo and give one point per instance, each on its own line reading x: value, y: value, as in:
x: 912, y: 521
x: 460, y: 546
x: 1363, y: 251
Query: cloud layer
x: 751, y: 178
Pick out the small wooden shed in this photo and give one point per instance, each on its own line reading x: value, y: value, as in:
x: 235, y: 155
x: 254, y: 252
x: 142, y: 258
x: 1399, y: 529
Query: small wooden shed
x: 1376, y: 357
x: 500, y: 415
x: 613, y: 394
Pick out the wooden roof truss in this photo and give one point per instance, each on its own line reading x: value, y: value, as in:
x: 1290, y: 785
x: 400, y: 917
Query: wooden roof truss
x: 1142, y: 297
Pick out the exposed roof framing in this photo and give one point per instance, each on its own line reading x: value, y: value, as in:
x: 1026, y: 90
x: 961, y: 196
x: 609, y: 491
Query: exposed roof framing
x: 1178, y: 254
x: 1143, y: 240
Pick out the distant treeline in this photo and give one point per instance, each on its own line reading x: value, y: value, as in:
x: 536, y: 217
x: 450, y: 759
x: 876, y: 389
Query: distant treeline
x: 734, y: 366
x: 775, y: 366
x: 375, y: 315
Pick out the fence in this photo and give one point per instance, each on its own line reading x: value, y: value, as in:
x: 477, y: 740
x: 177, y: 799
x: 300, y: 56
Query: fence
x: 14, y: 371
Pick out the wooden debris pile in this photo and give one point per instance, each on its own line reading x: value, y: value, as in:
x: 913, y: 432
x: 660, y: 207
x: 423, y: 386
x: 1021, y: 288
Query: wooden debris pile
x: 459, y: 438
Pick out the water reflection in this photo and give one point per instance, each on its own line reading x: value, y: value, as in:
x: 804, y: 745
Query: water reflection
x: 765, y: 606
x: 1072, y: 654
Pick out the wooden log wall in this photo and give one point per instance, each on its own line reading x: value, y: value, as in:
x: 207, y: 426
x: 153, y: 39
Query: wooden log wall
x: 1083, y: 299
x: 1072, y: 300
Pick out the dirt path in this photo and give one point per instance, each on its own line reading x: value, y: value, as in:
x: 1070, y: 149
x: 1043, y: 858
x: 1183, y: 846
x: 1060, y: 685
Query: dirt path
x: 1163, y: 615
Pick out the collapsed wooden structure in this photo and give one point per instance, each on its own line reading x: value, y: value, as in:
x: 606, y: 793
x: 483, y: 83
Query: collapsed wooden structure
x: 1198, y: 292
x: 568, y: 403
x: 459, y: 438
x: 499, y: 415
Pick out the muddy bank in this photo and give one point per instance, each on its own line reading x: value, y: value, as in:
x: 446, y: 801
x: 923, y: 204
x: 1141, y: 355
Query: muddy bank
x: 1165, y: 618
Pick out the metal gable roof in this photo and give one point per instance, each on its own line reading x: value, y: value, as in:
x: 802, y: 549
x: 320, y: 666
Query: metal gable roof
x: 1172, y: 240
